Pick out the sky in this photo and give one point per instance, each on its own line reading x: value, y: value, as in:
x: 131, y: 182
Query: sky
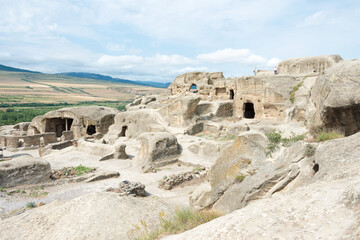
x: 156, y: 40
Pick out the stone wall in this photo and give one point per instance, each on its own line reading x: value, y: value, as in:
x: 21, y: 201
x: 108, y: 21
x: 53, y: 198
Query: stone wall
x: 26, y: 141
x: 207, y: 86
x: 267, y: 97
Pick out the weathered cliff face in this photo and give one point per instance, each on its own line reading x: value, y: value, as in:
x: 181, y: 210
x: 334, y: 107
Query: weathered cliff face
x: 133, y: 123
x: 264, y: 97
x: 307, y: 65
x: 335, y: 99
x: 325, y: 206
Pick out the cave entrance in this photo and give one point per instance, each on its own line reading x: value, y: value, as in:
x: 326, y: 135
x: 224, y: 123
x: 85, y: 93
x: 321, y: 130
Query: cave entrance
x: 123, y: 131
x: 193, y: 88
x: 58, y: 125
x: 249, y: 111
x: 232, y: 94
x: 91, y: 129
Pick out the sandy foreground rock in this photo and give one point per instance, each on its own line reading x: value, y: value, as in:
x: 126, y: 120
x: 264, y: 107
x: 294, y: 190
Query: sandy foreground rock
x: 100, y: 215
x: 327, y: 206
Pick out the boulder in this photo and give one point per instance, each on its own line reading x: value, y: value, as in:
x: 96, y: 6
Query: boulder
x: 194, y: 128
x: 181, y: 111
x: 119, y: 153
x: 127, y: 188
x: 158, y: 149
x: 101, y: 175
x: 326, y: 206
x: 221, y: 109
x: 245, y: 155
x: 98, y: 215
x: 291, y: 169
x: 335, y: 99
x: 24, y: 170
x: 97, y: 149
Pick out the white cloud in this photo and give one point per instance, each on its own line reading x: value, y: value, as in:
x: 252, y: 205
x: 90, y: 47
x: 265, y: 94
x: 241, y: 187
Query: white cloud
x: 114, y: 61
x: 273, y: 62
x: 189, y: 69
x: 160, y: 59
x: 229, y: 55
x: 315, y: 19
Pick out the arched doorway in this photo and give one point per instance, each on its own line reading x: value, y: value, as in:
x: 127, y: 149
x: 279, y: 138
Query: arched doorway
x: 91, y: 130
x: 232, y: 94
x: 249, y: 111
x: 193, y: 88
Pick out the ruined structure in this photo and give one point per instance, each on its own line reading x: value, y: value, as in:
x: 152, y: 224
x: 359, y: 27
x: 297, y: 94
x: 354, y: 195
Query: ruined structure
x: 205, y: 85
x: 264, y: 96
x: 60, y: 125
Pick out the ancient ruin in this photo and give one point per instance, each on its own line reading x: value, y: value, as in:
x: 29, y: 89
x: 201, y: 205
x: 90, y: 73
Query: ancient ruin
x: 60, y: 125
x: 207, y: 142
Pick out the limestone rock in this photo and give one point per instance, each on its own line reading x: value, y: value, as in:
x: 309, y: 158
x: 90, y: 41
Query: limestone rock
x: 336, y: 99
x: 119, y: 153
x: 24, y: 170
x: 100, y: 215
x: 218, y: 109
x: 245, y: 154
x: 127, y: 188
x: 82, y: 121
x: 194, y: 128
x: 133, y: 123
x: 325, y: 206
x: 97, y: 149
x: 181, y: 111
x: 43, y: 151
x: 158, y: 149
x: 307, y: 65
x: 176, y: 179
x: 269, y: 178
x: 101, y: 175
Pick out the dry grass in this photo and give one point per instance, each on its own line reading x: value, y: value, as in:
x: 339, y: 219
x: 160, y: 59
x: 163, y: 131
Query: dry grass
x: 183, y: 220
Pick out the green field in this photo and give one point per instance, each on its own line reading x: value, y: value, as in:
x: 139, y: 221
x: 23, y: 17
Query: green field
x: 24, y: 95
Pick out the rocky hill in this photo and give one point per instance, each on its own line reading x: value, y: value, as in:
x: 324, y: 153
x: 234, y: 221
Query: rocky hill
x: 276, y: 153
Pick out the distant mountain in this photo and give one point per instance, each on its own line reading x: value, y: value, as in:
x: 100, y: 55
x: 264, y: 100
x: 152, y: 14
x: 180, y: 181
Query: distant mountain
x: 92, y: 76
x: 111, y: 79
x: 11, y: 69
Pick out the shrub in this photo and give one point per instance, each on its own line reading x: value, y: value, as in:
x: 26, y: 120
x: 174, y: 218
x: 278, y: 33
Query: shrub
x: 324, y: 136
x: 80, y: 170
x: 183, y: 220
x: 31, y: 205
x: 275, y: 139
x: 310, y: 150
x: 293, y: 91
x: 239, y: 178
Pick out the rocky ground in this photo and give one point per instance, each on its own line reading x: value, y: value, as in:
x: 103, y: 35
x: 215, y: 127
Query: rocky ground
x: 290, y: 174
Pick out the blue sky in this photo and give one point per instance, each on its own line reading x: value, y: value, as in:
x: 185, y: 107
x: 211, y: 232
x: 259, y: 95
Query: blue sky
x: 157, y: 40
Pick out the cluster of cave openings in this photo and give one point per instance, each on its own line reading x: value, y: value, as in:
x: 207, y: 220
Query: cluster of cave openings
x: 90, y: 130
x: 193, y: 88
x: 249, y: 111
x: 58, y: 125
x: 123, y: 131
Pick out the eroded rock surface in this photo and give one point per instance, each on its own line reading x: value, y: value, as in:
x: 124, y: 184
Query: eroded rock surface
x: 24, y: 170
x: 326, y: 206
x: 158, y: 149
x: 100, y: 215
